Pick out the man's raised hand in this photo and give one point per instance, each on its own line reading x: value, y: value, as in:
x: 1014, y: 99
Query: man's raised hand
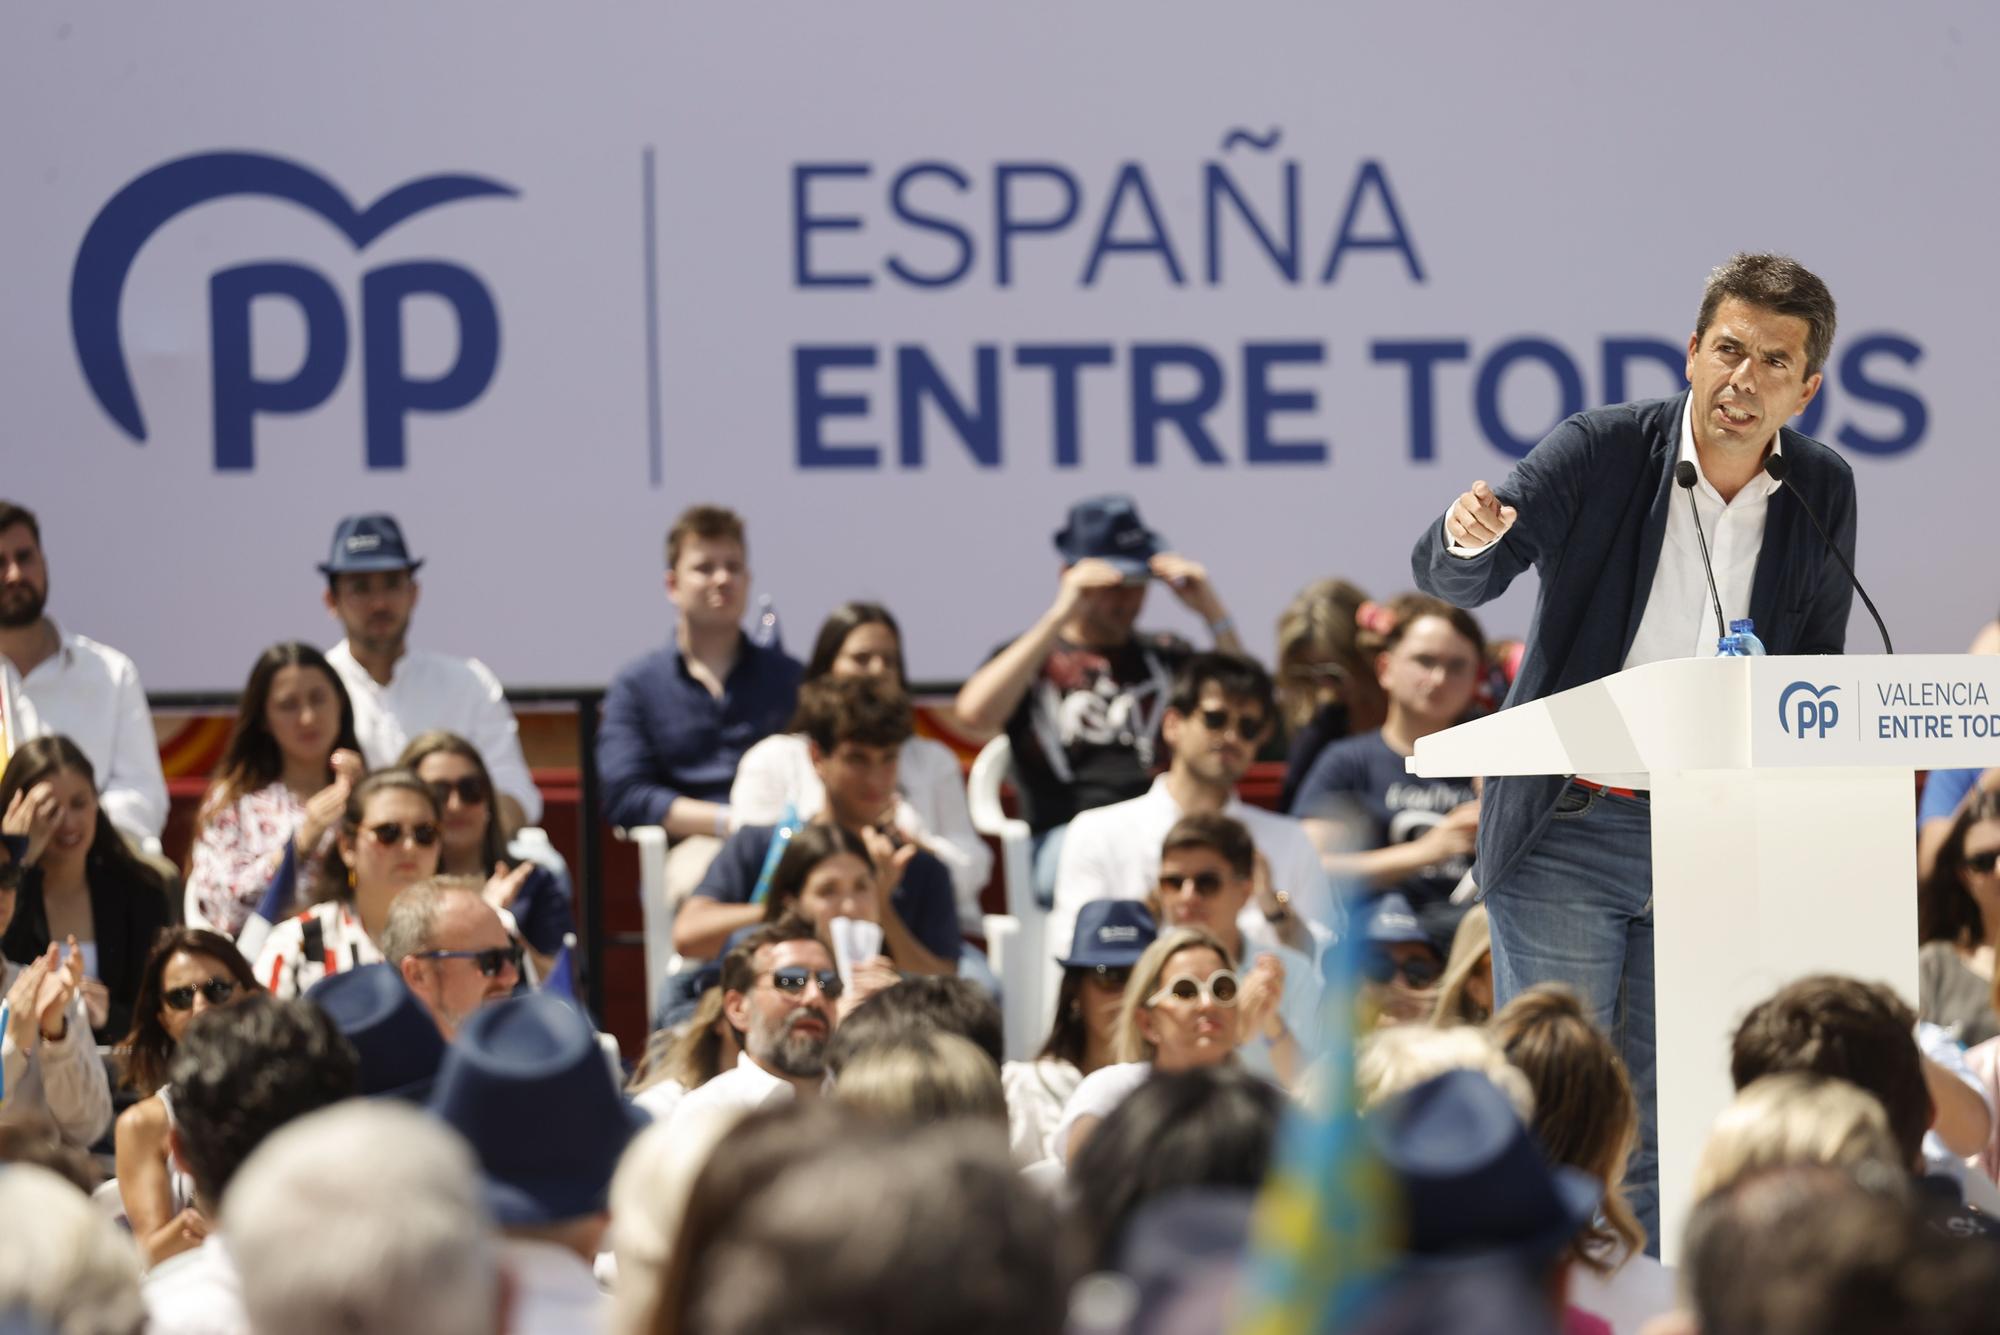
x: 1477, y: 518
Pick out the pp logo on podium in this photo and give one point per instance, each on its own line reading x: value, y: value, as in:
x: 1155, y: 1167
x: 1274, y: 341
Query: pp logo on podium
x: 1803, y: 709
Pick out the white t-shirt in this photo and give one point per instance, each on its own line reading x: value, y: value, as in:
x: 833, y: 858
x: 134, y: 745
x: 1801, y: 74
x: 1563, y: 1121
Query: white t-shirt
x: 1098, y: 1095
x: 196, y: 1293
x: 745, y: 1086
x: 1036, y: 1093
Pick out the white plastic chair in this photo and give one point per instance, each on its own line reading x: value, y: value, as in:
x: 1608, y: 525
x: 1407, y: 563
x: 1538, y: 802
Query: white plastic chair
x: 1016, y: 941
x: 656, y: 916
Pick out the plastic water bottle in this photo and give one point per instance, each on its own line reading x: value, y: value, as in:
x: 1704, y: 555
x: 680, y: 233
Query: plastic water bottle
x: 765, y: 632
x: 1741, y: 641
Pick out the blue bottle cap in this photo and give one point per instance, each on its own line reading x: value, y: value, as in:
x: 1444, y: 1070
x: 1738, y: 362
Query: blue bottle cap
x: 1742, y: 627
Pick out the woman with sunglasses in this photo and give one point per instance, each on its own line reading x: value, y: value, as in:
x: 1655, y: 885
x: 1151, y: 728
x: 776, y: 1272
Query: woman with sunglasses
x: 51, y: 1073
x: 474, y: 844
x: 1111, y: 935
x: 1958, y: 921
x: 81, y: 882
x: 388, y: 840
x: 285, y: 773
x: 189, y: 971
x: 1184, y: 1007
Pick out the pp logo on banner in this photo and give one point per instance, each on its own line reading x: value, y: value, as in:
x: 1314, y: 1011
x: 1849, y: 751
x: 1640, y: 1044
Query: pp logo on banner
x: 1803, y: 708
x: 389, y: 393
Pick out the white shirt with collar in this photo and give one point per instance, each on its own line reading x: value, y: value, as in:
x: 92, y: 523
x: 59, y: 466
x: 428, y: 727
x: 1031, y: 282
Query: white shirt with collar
x: 91, y: 694
x: 429, y: 690
x: 1113, y: 852
x: 555, y: 1290
x: 196, y: 1293
x: 744, y: 1087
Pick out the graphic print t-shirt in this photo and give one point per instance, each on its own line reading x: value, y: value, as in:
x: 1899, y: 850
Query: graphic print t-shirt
x: 1360, y: 780
x: 1087, y: 733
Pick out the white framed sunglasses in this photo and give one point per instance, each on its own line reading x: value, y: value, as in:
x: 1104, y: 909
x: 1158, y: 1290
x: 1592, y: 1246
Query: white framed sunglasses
x: 1220, y: 987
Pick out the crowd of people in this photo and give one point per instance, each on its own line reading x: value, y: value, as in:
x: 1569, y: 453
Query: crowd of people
x: 329, y: 1075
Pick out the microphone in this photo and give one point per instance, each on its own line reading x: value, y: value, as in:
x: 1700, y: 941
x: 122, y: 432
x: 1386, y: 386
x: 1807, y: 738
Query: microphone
x: 1777, y: 467
x: 1685, y: 477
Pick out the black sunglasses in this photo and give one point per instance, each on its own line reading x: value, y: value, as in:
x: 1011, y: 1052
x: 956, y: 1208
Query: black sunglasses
x: 217, y: 990
x: 471, y: 790
x: 390, y: 833
x: 1247, y: 727
x: 1983, y: 862
x: 489, y: 962
x: 794, y: 978
x: 1417, y: 971
x: 1207, y: 884
x: 1113, y: 976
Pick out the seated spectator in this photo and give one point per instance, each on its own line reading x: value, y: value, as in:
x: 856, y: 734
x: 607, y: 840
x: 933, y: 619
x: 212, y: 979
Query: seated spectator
x: 1391, y: 1062
x: 1799, y: 1118
x: 687, y: 1056
x: 285, y: 774
x: 1111, y: 935
x: 67, y: 1268
x: 1408, y: 834
x: 1958, y: 912
x: 397, y: 1046
x: 240, y: 1073
x: 189, y: 971
x: 677, y: 721
x: 451, y: 948
x: 474, y: 844
x: 1208, y: 1127
x: 49, y: 1071
x: 919, y: 1006
x: 1465, y: 992
x: 77, y: 688
x: 1209, y: 877
x: 1326, y: 682
x: 1586, y: 1117
x: 1402, y: 963
x: 386, y: 842
x: 779, y: 989
x: 826, y: 872
x: 777, y: 775
x: 527, y: 1087
x: 1079, y: 695
x: 80, y: 882
x: 1220, y: 712
x: 365, y: 1217
x: 855, y: 729
x: 916, y: 1079
x: 399, y: 692
x: 1184, y: 1007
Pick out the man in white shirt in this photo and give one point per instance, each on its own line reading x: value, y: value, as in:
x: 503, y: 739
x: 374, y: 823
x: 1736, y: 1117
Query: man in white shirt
x: 88, y: 692
x: 399, y: 692
x: 1220, y: 712
x: 779, y: 987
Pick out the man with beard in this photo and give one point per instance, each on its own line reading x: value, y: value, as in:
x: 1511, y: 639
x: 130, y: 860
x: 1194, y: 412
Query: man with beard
x: 452, y: 948
x: 56, y: 681
x: 399, y: 692
x: 779, y: 987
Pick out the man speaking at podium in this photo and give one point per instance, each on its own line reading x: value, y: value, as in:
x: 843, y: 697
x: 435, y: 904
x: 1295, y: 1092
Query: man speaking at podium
x: 1565, y: 864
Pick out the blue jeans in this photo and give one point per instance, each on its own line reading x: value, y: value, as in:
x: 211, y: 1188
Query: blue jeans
x: 1578, y: 910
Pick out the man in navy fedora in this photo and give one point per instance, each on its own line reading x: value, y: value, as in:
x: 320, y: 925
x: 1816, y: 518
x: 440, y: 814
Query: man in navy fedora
x: 527, y: 1086
x: 400, y: 692
x: 1078, y: 693
x: 393, y: 1035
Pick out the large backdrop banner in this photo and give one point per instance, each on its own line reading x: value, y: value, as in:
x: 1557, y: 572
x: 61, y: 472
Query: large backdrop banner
x: 901, y: 280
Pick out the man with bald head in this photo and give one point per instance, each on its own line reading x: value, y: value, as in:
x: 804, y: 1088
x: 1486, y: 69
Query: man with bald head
x: 453, y: 949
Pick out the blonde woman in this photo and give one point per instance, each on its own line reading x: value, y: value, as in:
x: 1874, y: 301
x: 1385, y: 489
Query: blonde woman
x: 1465, y: 992
x: 1801, y: 1118
x: 1184, y: 1007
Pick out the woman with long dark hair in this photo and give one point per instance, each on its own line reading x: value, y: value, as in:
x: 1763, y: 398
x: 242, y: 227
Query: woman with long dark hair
x: 82, y: 882
x: 283, y: 779
x: 1958, y: 922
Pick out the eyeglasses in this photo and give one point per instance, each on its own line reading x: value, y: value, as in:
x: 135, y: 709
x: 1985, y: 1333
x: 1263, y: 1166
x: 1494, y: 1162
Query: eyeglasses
x: 390, y: 833
x: 1111, y: 976
x: 1247, y: 727
x: 1983, y: 863
x: 1219, y: 987
x: 471, y: 790
x: 490, y: 962
x: 1207, y: 884
x: 217, y: 990
x: 795, y: 978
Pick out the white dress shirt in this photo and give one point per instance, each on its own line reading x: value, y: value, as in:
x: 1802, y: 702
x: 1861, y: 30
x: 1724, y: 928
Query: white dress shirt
x: 1113, y: 852
x: 17, y: 717
x: 196, y: 1293
x: 746, y: 1086
x: 555, y: 1290
x: 429, y: 690
x: 90, y: 693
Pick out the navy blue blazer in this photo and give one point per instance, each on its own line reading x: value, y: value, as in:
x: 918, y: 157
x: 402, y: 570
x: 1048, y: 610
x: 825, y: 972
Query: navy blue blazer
x: 1592, y: 502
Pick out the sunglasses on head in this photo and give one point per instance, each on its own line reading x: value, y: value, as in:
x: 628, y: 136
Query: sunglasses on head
x: 1247, y: 727
x: 490, y: 962
x: 217, y: 990
x: 1207, y: 884
x: 390, y: 833
x: 471, y: 790
x: 795, y: 978
x: 1983, y: 862
x: 1108, y: 975
x: 1220, y: 987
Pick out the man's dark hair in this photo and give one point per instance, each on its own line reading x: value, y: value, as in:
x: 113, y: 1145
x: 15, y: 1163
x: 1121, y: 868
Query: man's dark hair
x: 12, y: 514
x: 1858, y: 1032
x: 243, y: 1071
x: 833, y: 710
x: 1238, y: 677
x: 1805, y: 1250
x: 1212, y: 1126
x: 704, y: 521
x: 739, y: 966
x: 1213, y: 830
x: 920, y: 1006
x: 1776, y: 283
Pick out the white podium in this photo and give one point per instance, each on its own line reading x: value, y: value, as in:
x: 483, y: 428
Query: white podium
x: 1784, y: 814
